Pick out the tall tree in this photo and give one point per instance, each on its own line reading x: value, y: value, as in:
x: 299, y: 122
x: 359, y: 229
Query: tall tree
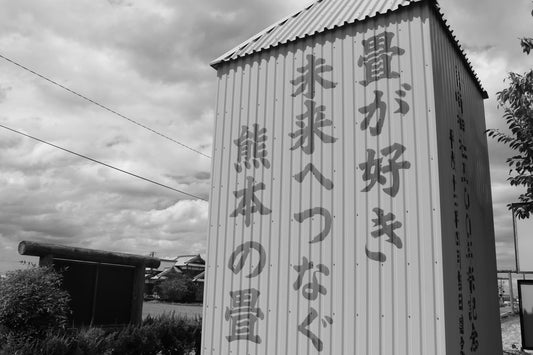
x: 517, y: 102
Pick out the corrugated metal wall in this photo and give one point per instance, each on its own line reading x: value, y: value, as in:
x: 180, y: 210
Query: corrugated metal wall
x: 295, y: 227
x: 471, y: 300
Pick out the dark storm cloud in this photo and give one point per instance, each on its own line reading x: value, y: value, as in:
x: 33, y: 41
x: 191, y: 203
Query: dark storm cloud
x: 196, y: 178
x: 203, y: 175
x: 117, y: 140
x: 9, y: 142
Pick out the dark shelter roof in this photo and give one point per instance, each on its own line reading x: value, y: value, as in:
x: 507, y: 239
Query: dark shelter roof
x: 325, y: 15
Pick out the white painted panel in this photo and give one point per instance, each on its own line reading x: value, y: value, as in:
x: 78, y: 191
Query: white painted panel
x: 524, y: 243
x: 525, y: 290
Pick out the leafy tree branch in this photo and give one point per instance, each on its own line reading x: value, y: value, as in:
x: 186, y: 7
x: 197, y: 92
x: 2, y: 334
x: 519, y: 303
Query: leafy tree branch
x: 517, y: 102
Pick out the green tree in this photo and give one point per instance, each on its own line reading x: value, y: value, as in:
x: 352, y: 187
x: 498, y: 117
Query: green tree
x: 178, y: 288
x: 517, y: 102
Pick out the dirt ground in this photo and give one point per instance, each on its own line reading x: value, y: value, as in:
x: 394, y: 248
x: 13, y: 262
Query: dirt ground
x: 511, y: 338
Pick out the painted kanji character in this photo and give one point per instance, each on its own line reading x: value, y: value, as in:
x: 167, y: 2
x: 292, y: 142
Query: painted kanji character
x: 310, y: 123
x: 251, y: 147
x: 403, y: 106
x: 474, y: 341
x: 243, y: 315
x: 466, y: 198
x: 471, y: 278
x: 396, y: 150
x: 302, y: 216
x: 472, y: 308
x: 249, y: 202
x: 377, y: 58
x: 469, y: 250
x: 378, y: 106
x: 310, y: 168
x: 462, y: 149
x: 384, y: 228
x: 311, y: 74
x: 373, y: 168
x: 461, y: 122
x: 452, y: 156
x: 304, y: 328
x: 459, y: 99
x: 242, y: 253
x: 310, y: 290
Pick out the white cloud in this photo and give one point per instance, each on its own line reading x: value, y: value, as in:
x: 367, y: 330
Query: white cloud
x: 149, y: 61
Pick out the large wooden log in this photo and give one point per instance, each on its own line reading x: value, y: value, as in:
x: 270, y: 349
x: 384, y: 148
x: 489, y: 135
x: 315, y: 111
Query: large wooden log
x: 83, y: 254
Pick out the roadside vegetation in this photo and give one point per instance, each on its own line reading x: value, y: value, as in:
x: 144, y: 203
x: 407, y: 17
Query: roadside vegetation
x: 179, y: 288
x: 34, y: 317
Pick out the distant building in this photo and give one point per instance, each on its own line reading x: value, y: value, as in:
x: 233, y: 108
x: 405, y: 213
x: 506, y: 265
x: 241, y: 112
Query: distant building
x: 191, y: 266
x: 199, y: 282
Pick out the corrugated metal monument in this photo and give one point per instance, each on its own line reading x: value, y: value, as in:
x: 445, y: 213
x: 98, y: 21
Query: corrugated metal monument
x: 351, y: 204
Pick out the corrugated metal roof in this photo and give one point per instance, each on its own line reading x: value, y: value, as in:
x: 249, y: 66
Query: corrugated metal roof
x: 184, y: 260
x: 324, y: 15
x: 200, y: 277
x: 166, y: 273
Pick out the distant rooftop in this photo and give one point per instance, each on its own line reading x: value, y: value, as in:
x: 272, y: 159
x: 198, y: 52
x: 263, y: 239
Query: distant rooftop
x: 184, y: 260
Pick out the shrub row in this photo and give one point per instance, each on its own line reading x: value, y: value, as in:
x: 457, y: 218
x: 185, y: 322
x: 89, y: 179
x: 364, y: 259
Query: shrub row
x: 178, y: 288
x: 165, y: 334
x: 32, y: 302
x: 33, y: 318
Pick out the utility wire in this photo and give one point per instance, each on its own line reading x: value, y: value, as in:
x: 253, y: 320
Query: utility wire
x: 102, y: 163
x: 102, y: 106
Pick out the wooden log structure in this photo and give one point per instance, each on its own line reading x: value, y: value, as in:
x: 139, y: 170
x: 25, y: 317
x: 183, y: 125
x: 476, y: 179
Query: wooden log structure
x: 47, y: 253
x: 83, y: 254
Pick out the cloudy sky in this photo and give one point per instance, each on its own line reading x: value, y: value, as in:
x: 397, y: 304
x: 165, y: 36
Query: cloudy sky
x: 149, y: 60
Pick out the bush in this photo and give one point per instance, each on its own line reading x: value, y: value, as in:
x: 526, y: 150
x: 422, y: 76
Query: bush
x: 165, y: 335
x: 179, y: 288
x: 34, y: 313
x: 32, y: 303
x: 92, y: 341
x: 176, y: 335
x: 52, y: 344
x: 133, y: 340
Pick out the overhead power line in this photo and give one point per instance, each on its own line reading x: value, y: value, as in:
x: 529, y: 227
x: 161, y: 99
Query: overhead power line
x: 102, y: 163
x: 102, y: 106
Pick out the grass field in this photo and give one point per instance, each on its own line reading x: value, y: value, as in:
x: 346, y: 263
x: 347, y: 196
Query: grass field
x: 155, y: 308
